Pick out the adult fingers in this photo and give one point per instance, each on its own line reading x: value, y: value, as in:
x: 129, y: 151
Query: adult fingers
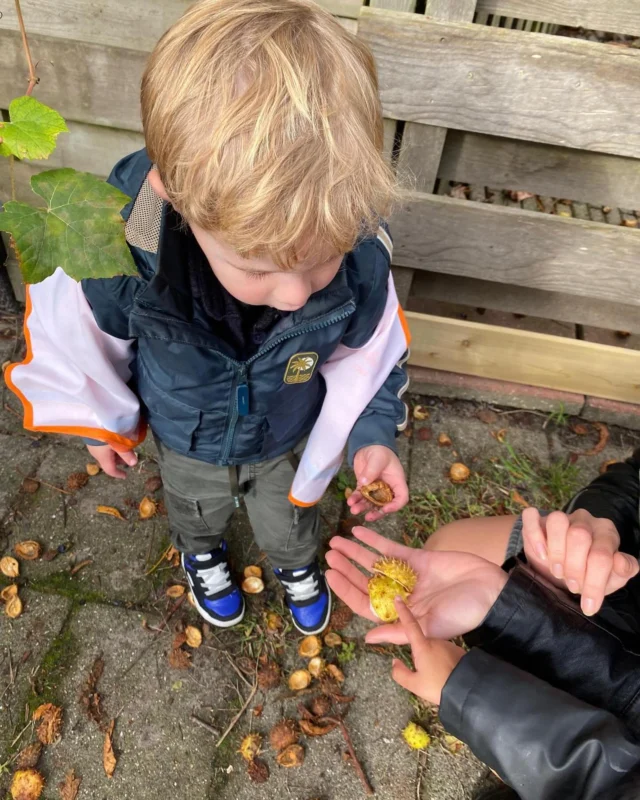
x: 337, y: 561
x: 557, y: 525
x: 625, y: 567
x: 535, y: 540
x: 349, y: 594
x: 579, y: 541
x: 354, y: 551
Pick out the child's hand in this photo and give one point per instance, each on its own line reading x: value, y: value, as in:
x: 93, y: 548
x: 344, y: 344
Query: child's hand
x: 578, y: 551
x: 434, y: 660
x: 109, y: 460
x: 374, y: 463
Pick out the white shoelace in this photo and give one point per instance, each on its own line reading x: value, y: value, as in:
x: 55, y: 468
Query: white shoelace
x: 302, y: 590
x: 215, y: 579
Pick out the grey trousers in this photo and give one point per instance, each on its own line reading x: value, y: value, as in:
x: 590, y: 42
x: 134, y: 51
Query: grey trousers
x: 200, y: 502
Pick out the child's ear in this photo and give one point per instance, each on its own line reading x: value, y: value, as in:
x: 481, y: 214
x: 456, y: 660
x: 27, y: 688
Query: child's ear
x: 157, y: 185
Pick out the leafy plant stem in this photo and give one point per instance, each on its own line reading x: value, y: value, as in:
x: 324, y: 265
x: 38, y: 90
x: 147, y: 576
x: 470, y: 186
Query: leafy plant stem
x: 33, y: 78
x: 12, y: 176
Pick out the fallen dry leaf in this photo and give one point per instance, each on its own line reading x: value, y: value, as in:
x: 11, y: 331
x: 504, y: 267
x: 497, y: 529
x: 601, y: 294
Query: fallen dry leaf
x: 444, y: 440
x: 77, y: 480
x: 336, y: 673
x: 603, y: 438
x: 30, y: 485
x: 49, y: 723
x: 147, y: 508
x: 92, y: 469
x: 313, y: 729
x: 13, y: 607
x: 27, y: 784
x: 9, y: 567
x: 175, y: 591
x: 580, y: 428
x: 89, y: 696
x: 274, y: 622
x: 110, y: 511
x: 519, y: 196
x: 28, y: 550
x: 293, y: 756
x: 179, y: 659
x: 193, y: 636
x: 421, y: 413
x: 606, y: 464
x: 453, y: 744
x: 171, y: 554
x: 8, y: 592
x: 29, y: 756
x: 70, y: 786
x: 152, y: 484
x: 258, y: 771
x: 320, y: 706
x: 333, y: 639
x: 518, y: 499
x: 425, y: 434
x: 500, y: 435
x: 162, y: 512
x: 108, y: 756
x: 487, y: 416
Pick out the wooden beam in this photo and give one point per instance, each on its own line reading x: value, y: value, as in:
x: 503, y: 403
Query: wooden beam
x: 537, y: 359
x: 478, y: 293
x: 84, y: 82
x: 526, y: 248
x: 505, y: 82
x: 133, y: 24
x: 616, y: 16
x: 543, y: 169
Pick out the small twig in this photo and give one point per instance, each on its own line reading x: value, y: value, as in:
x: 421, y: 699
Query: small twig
x: 419, y: 775
x: 43, y: 483
x: 160, y: 630
x: 158, y: 562
x: 12, y: 176
x: 19, y: 736
x: 8, y: 408
x: 81, y: 565
x: 33, y: 78
x: 345, y: 733
x: 206, y: 725
x: 237, y: 670
x: 233, y: 722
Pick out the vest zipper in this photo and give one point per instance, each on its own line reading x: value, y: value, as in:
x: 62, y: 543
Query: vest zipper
x: 240, y: 387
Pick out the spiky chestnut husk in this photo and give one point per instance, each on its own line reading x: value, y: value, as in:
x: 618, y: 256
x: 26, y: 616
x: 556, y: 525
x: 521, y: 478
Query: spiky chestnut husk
x: 398, y: 571
x: 283, y: 734
x: 250, y: 746
x: 382, y: 594
x: 416, y: 737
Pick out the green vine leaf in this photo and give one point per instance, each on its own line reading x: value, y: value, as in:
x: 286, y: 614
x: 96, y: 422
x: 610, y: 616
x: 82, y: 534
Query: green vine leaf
x: 80, y: 228
x: 32, y: 129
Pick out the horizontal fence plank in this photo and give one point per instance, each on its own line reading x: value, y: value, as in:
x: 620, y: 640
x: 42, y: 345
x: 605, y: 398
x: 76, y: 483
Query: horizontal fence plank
x: 135, y: 25
x: 84, y: 82
x: 537, y: 359
x: 503, y: 82
x: 615, y: 16
x: 478, y: 293
x: 525, y: 248
x: 544, y: 169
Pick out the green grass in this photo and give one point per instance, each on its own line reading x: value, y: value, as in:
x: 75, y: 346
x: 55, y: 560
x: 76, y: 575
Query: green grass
x: 558, y: 416
x: 65, y: 585
x: 347, y: 653
x: 490, y: 492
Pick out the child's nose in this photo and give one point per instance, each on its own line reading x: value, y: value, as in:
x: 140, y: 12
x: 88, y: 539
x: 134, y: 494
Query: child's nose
x: 296, y: 292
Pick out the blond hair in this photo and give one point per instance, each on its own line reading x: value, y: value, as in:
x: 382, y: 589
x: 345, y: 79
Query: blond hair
x: 263, y: 119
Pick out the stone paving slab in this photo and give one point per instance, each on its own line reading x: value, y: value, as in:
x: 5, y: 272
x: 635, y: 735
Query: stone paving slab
x: 23, y: 643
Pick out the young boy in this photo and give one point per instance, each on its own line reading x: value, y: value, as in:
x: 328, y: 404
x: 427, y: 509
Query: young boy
x: 262, y: 334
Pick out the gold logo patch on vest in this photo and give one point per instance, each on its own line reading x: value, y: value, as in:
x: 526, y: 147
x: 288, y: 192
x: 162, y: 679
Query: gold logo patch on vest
x: 300, y: 367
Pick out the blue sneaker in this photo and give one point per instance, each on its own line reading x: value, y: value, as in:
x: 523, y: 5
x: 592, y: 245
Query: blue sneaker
x: 214, y: 591
x: 308, y: 597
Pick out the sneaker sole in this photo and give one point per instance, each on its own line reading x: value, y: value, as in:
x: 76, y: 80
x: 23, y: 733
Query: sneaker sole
x: 317, y: 630
x: 218, y: 623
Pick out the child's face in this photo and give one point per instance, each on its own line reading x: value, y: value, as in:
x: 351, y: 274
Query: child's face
x: 260, y: 282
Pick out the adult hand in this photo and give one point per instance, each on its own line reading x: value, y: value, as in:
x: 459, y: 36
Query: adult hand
x: 453, y: 594
x: 374, y: 463
x: 578, y: 551
x: 110, y: 460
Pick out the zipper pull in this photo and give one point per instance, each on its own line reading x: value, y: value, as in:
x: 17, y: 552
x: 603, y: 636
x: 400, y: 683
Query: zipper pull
x: 242, y: 397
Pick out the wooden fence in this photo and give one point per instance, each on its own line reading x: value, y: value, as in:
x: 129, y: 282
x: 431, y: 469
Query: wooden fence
x: 471, y: 93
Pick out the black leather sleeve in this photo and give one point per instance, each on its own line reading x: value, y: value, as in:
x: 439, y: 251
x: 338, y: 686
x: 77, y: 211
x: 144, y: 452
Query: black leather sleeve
x: 539, y: 629
x: 544, y: 743
x: 615, y: 495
